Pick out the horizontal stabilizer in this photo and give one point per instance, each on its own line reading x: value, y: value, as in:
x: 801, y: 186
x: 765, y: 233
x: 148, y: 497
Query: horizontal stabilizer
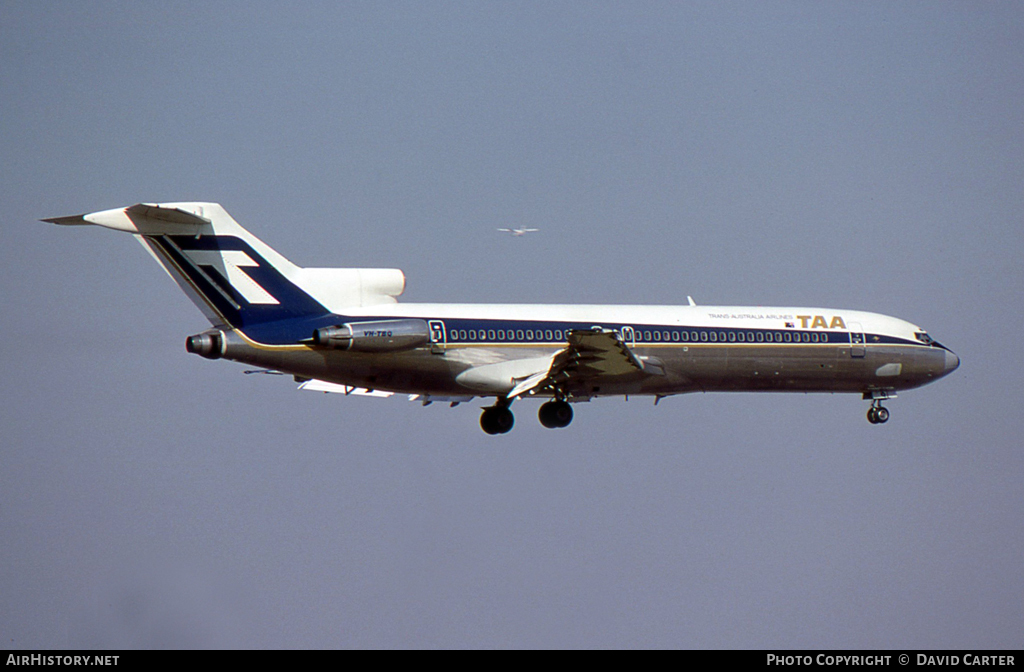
x: 148, y: 219
x: 162, y: 213
x: 73, y: 220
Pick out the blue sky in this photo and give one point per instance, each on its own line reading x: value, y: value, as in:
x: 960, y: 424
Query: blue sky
x: 852, y: 155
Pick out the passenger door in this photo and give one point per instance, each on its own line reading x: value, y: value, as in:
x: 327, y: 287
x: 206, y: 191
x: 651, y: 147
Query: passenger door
x: 437, y: 337
x: 856, y: 340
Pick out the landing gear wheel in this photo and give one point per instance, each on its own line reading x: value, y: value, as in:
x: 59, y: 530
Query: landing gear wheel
x: 497, y: 420
x: 878, y: 415
x: 555, y: 414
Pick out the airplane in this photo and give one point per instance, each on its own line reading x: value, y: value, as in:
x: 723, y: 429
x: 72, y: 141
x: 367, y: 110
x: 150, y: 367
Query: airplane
x: 343, y: 330
x: 518, y: 232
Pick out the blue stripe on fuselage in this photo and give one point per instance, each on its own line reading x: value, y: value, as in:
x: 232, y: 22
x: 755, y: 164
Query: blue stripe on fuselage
x: 550, y: 334
x: 295, y: 330
x: 459, y: 331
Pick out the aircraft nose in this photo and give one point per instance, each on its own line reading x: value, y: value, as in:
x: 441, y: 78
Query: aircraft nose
x: 952, y: 361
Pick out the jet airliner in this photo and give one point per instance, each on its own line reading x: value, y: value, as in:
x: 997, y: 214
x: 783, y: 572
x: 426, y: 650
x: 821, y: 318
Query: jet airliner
x: 343, y: 330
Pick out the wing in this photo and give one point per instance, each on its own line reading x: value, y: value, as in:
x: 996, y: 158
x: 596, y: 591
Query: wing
x: 315, y: 385
x: 590, y: 355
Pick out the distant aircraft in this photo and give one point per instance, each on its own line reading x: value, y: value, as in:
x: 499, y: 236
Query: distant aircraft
x: 518, y: 232
x: 343, y: 330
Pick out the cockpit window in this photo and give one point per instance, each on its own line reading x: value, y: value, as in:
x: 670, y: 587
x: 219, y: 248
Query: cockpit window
x: 924, y: 337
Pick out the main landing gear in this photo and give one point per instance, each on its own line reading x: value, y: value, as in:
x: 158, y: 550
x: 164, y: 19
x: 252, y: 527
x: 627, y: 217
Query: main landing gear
x: 878, y: 414
x: 498, y: 419
x: 555, y: 414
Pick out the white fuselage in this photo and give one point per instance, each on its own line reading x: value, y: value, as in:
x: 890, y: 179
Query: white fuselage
x: 699, y: 348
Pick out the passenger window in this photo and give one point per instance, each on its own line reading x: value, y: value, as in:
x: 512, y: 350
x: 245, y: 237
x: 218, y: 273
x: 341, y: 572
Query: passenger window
x: 548, y: 335
x: 529, y: 334
x: 558, y: 334
x: 732, y: 336
x: 714, y: 337
x: 787, y: 337
x: 657, y: 335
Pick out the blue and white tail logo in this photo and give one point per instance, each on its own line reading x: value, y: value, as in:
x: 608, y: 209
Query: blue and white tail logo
x: 236, y: 279
x: 242, y: 287
x: 228, y: 265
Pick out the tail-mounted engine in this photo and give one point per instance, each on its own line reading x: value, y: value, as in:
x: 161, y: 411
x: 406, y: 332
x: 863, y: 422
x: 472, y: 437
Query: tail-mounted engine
x: 209, y: 345
x: 374, y: 336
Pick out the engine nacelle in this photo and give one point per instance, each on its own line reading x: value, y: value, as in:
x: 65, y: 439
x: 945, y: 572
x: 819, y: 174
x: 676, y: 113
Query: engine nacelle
x: 209, y: 345
x: 375, y: 335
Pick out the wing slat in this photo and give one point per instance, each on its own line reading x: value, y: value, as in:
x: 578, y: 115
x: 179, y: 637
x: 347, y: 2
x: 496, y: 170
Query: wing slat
x: 590, y: 354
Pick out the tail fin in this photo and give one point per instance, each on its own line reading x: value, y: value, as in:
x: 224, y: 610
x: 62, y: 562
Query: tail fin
x: 235, y: 278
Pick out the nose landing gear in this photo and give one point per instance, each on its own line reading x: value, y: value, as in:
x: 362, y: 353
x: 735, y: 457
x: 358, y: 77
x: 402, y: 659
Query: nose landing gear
x: 878, y: 414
